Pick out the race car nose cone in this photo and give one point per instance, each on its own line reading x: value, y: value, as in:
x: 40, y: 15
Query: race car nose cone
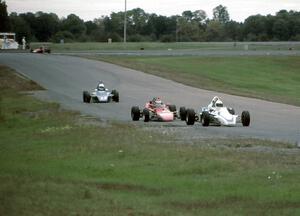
x: 167, y: 116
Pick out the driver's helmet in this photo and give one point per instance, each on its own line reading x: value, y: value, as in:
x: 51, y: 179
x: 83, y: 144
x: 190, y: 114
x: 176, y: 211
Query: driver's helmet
x: 215, y: 99
x: 101, y: 87
x: 156, y: 101
x: 219, y: 103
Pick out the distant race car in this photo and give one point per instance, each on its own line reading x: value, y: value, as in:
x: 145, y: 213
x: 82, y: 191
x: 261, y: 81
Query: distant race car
x: 154, y: 110
x: 215, y: 114
x: 42, y: 49
x: 100, y: 95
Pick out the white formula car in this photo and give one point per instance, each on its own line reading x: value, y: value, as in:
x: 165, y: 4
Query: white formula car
x: 216, y: 114
x: 100, y: 95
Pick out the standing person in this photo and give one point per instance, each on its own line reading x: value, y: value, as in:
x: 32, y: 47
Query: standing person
x: 4, y: 45
x: 23, y: 43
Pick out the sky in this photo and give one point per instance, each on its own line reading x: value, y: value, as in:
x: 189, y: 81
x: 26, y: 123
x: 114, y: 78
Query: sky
x: 238, y: 10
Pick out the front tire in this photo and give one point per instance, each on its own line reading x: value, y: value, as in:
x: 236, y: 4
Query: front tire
x: 182, y: 113
x: 115, y: 96
x: 190, y: 117
x: 86, y: 97
x: 205, y: 119
x: 146, y: 114
x: 135, y: 113
x: 172, y: 108
x: 245, y: 118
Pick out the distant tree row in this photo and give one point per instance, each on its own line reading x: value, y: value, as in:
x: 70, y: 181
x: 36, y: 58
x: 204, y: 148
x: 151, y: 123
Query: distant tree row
x: 142, y: 26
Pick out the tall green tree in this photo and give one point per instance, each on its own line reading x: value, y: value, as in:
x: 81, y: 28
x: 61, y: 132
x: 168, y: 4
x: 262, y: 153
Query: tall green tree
x: 187, y: 15
x: 137, y: 19
x: 233, y: 31
x: 199, y: 16
x: 31, y: 20
x: 215, y: 31
x: 19, y: 26
x: 4, y: 20
x: 46, y: 25
x: 114, y: 24
x: 255, y: 27
x: 74, y: 24
x: 90, y: 27
x: 281, y: 30
x: 221, y: 14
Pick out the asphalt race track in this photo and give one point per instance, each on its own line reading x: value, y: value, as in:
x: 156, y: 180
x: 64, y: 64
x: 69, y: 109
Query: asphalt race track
x: 66, y: 77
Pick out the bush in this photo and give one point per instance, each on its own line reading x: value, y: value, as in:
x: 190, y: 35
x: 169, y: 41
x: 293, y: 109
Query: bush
x: 139, y: 38
x: 1, y: 115
x: 135, y: 38
x: 296, y: 38
x: 65, y: 35
x: 99, y: 36
x: 167, y: 38
x: 115, y: 37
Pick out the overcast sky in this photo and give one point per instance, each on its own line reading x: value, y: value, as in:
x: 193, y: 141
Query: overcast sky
x: 239, y: 10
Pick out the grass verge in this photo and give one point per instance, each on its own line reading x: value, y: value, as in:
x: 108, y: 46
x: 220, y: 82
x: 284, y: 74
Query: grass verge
x: 270, y: 78
x: 52, y: 165
x: 94, y: 46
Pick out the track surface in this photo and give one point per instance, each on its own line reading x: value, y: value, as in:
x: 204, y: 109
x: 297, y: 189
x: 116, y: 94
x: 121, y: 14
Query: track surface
x: 66, y: 77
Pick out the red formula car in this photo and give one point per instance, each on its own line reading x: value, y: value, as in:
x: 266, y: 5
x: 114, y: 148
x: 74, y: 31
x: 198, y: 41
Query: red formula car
x: 42, y: 49
x: 154, y: 110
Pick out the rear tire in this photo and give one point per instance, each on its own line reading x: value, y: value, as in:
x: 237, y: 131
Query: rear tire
x: 205, y: 119
x: 135, y: 113
x: 146, y: 114
x: 172, y: 108
x: 86, y: 97
x: 190, y: 117
x: 182, y: 113
x: 245, y: 118
x: 115, y: 96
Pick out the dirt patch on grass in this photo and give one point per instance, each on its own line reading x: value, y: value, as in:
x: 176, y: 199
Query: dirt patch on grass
x: 130, y: 187
x: 113, y: 186
x: 230, y: 202
x: 10, y: 79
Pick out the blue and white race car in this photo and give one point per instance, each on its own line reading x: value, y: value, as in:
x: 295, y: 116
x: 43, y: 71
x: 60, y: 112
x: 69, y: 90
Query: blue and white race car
x: 100, y: 95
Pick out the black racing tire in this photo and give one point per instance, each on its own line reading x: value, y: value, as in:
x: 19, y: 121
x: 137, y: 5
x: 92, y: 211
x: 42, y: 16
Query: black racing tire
x: 245, y: 118
x: 135, y: 113
x: 182, y: 113
x: 190, y: 117
x: 146, y: 115
x: 231, y: 110
x: 205, y: 118
x: 115, y: 96
x: 172, y: 108
x: 86, y: 97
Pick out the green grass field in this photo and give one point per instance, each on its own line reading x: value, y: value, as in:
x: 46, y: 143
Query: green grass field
x: 266, y: 77
x: 53, y: 163
x: 93, y: 46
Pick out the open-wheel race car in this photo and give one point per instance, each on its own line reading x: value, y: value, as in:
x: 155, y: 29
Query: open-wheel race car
x: 154, y: 110
x: 215, y: 114
x: 100, y: 95
x: 42, y: 49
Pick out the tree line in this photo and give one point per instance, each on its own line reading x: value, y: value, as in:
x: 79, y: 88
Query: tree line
x: 141, y: 26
